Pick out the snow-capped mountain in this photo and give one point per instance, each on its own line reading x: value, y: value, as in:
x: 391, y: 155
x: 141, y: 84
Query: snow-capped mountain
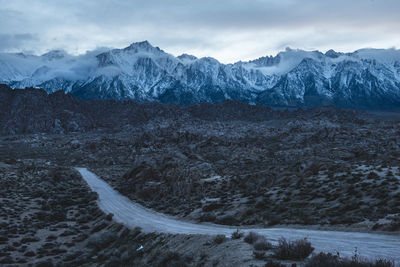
x: 367, y: 78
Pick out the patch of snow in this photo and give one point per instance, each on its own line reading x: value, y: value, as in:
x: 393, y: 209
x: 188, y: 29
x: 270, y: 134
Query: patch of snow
x: 381, y: 55
x: 212, y: 178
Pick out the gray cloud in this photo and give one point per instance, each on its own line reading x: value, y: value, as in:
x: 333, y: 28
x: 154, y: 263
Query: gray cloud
x: 227, y: 29
x: 12, y: 42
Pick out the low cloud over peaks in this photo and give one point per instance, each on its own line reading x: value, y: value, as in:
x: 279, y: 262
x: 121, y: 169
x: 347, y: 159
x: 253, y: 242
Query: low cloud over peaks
x: 227, y: 30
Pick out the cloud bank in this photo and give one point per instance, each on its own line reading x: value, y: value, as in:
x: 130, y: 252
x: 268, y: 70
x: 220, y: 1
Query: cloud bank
x: 227, y: 30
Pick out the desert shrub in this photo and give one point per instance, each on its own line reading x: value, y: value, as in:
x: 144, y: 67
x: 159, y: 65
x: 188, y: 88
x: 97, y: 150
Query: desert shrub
x: 218, y: 239
x: 329, y: 260
x: 237, y: 234
x: 109, y: 216
x: 394, y: 226
x: 55, y: 175
x: 208, y: 217
x: 251, y: 237
x: 261, y: 204
x: 170, y: 258
x: 274, y: 220
x: 373, y: 175
x: 203, y: 255
x: 227, y: 220
x: 258, y: 254
x: 274, y: 264
x: 57, y: 215
x: 100, y: 241
x: 259, y: 242
x: 314, y: 168
x: 215, y: 262
x: 147, y: 193
x: 211, y: 207
x: 296, y: 250
x: 136, y: 231
x: 383, y: 263
x: 262, y: 244
x: 324, y: 259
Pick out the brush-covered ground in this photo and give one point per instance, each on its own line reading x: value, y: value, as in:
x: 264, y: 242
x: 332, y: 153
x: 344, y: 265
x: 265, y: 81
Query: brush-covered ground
x: 226, y: 163
x: 326, y: 171
x: 49, y: 217
x: 323, y: 172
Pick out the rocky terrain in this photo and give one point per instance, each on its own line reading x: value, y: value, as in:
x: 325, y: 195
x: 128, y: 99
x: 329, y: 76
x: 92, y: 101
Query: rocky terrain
x: 29, y: 111
x: 49, y: 217
x: 227, y: 163
x: 263, y: 173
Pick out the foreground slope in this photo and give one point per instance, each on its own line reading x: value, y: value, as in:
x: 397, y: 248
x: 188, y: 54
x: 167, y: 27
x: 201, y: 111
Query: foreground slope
x: 373, y: 246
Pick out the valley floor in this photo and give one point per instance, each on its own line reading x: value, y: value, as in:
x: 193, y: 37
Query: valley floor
x: 330, y: 171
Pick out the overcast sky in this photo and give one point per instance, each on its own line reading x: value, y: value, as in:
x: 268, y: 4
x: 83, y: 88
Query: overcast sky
x: 229, y: 30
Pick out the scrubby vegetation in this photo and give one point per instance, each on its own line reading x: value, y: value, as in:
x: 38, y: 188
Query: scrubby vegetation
x: 237, y: 234
x: 271, y: 263
x: 218, y: 239
x: 262, y: 244
x: 226, y: 164
x: 327, y: 170
x: 326, y: 167
x: 293, y: 250
x: 251, y: 237
x: 49, y: 217
x: 329, y: 260
x: 285, y: 250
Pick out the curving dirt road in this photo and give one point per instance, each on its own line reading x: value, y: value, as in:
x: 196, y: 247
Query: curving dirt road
x: 132, y: 214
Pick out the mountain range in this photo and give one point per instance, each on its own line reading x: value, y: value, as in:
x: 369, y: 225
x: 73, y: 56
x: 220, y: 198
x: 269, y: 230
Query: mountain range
x: 364, y: 79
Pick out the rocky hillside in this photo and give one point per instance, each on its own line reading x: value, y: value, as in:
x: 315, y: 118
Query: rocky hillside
x: 34, y: 111
x: 366, y: 79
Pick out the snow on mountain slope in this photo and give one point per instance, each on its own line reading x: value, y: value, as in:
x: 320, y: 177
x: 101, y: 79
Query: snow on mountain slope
x: 366, y: 78
x: 16, y: 66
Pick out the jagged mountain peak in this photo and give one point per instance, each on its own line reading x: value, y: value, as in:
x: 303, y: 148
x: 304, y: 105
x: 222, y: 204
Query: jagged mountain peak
x: 209, y: 60
x: 143, y: 46
x: 186, y: 58
x: 129, y: 55
x: 332, y: 54
x: 266, y: 61
x: 144, y: 43
x: 55, y: 54
x: 184, y: 55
